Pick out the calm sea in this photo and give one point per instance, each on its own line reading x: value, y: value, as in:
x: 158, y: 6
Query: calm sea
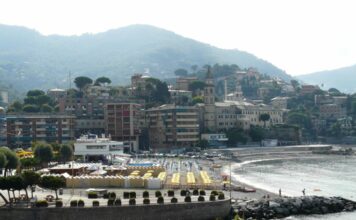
x: 323, y: 176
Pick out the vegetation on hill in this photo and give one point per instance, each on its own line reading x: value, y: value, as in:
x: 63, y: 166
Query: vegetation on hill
x: 29, y: 59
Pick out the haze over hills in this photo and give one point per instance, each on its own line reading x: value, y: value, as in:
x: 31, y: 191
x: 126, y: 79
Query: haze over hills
x: 31, y: 60
x: 343, y: 79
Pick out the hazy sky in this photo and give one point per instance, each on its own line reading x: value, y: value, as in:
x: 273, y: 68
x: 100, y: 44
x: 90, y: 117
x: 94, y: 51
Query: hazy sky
x: 299, y: 36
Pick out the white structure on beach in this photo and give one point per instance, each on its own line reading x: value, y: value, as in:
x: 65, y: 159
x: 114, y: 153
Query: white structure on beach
x: 92, y: 145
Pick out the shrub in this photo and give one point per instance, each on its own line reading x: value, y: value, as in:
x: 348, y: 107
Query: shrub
x: 132, y: 195
x: 195, y: 192
x: 112, y: 195
x: 41, y: 204
x: 160, y: 200
x: 215, y: 193
x: 221, y: 196
x: 80, y: 203
x: 183, y: 192
x: 187, y: 199
x: 201, y: 199
x: 95, y: 203
x: 92, y: 195
x: 212, y: 198
x: 170, y: 193
x: 106, y: 195
x: 110, y: 202
x: 126, y: 195
x: 174, y: 200
x: 158, y: 193
x: 73, y: 203
x: 146, y: 201
x: 145, y: 194
x: 202, y: 192
x: 59, y: 203
x: 132, y: 202
x: 117, y: 202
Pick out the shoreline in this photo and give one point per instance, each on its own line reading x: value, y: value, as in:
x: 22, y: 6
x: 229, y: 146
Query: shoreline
x: 258, y: 155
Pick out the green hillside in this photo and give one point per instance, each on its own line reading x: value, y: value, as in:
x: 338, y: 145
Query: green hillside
x: 31, y: 60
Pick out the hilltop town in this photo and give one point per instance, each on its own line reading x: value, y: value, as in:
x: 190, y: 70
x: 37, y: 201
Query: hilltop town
x: 218, y: 106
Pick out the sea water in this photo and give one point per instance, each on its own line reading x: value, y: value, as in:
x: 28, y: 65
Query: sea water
x: 321, y: 175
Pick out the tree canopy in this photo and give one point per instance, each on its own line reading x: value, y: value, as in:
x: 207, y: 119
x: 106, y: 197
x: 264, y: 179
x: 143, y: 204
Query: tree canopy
x: 82, y: 81
x: 264, y: 117
x: 43, y: 153
x: 102, y: 80
x: 11, y: 158
x: 35, y: 92
x: 181, y: 72
x: 30, y: 178
x: 53, y: 183
x: 66, y: 152
x: 3, y: 160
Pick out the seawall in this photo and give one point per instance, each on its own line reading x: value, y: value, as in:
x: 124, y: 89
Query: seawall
x: 183, y: 211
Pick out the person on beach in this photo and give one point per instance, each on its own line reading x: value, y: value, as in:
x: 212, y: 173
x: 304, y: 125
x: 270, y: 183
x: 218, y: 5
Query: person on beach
x: 280, y: 192
x: 303, y: 191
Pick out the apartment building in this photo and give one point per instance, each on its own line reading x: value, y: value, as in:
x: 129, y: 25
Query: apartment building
x: 22, y: 129
x: 172, y: 127
x: 122, y: 123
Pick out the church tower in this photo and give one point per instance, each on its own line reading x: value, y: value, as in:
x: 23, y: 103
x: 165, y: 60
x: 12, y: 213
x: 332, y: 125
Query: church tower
x: 209, y: 103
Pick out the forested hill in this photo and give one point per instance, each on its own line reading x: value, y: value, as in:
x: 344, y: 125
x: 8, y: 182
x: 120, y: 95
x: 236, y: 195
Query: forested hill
x: 31, y: 60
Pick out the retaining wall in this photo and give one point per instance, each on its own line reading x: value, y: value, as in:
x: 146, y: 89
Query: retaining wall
x: 184, y: 211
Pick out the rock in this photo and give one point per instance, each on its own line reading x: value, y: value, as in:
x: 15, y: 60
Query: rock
x: 274, y: 204
x: 284, y: 207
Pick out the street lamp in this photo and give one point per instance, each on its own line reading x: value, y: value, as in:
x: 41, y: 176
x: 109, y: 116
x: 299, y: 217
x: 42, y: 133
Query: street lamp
x: 230, y: 179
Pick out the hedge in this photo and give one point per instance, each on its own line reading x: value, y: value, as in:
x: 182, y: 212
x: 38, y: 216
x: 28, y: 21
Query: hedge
x: 96, y: 203
x: 41, y: 204
x: 145, y: 194
x: 59, y: 204
x: 146, y: 201
x: 174, y: 200
x: 132, y: 202
x: 117, y: 202
x: 170, y: 193
x: 158, y: 193
x: 160, y: 200
x: 187, y: 199
x: 80, y: 203
x: 73, y: 203
x: 195, y: 192
x: 212, y: 198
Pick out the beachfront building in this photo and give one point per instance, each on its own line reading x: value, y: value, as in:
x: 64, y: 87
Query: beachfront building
x: 122, y: 123
x: 215, y: 140
x: 92, y: 147
x: 23, y: 129
x: 172, y: 127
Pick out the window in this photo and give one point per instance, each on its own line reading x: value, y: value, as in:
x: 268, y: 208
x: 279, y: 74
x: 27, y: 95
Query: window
x: 96, y: 147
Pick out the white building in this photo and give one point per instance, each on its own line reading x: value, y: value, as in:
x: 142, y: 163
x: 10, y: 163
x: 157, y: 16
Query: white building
x: 92, y: 145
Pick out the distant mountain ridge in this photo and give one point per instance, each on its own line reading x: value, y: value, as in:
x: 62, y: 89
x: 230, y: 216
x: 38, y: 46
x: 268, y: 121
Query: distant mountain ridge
x: 31, y: 60
x: 342, y: 79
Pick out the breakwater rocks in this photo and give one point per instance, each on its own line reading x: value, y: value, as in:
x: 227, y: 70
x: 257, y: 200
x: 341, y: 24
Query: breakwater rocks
x: 286, y: 206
